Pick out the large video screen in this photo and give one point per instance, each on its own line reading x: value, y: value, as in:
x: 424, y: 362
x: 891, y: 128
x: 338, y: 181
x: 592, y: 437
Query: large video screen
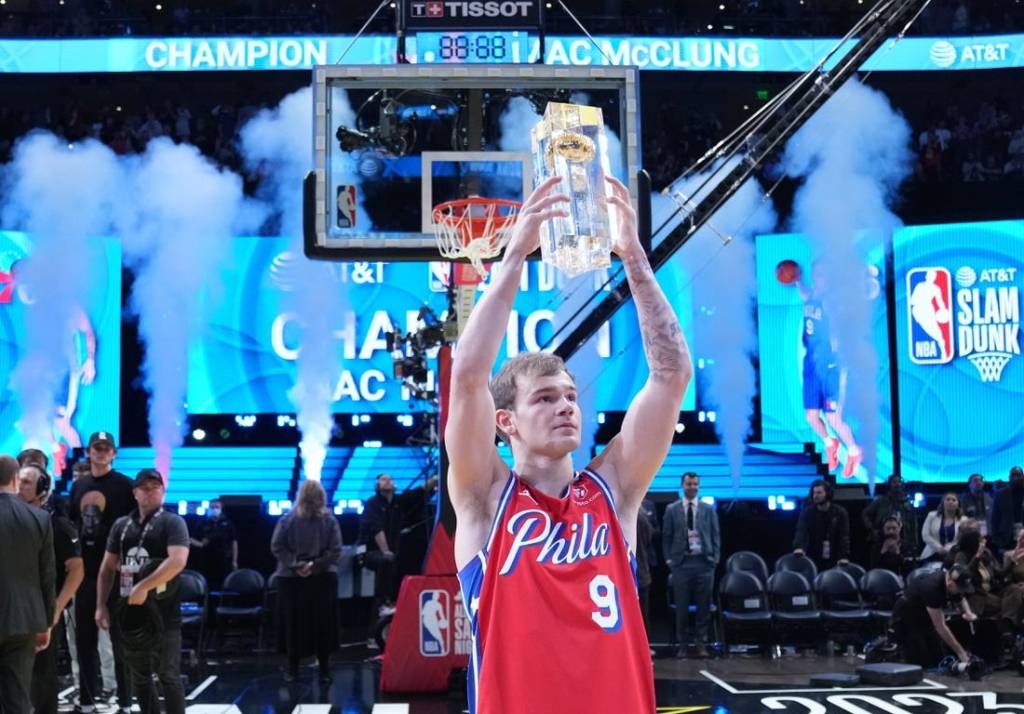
x: 781, y: 315
x: 961, y: 373
x: 245, y: 362
x: 88, y: 397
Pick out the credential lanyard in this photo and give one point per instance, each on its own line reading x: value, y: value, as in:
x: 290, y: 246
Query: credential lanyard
x: 142, y: 536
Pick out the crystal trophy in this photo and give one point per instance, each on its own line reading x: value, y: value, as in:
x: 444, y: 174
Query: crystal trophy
x: 570, y: 142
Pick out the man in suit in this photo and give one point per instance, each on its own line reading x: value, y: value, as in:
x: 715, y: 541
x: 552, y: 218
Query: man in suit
x: 1008, y: 511
x: 27, y: 577
x: 692, y: 545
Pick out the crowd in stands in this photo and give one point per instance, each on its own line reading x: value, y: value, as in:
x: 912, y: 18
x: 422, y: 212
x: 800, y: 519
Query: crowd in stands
x: 984, y: 142
x: 113, y: 18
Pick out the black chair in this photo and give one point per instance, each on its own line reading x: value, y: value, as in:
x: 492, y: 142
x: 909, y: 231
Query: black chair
x: 795, y: 619
x: 747, y: 561
x: 241, y: 604
x: 744, y: 610
x: 195, y: 608
x: 271, y: 597
x: 855, y: 571
x: 845, y: 617
x: 881, y: 589
x: 797, y: 564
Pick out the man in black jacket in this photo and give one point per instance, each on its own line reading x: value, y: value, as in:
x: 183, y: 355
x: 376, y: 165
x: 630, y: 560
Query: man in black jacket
x: 384, y: 521
x: 823, y: 530
x: 1008, y: 511
x: 97, y: 500
x: 34, y: 486
x: 27, y: 575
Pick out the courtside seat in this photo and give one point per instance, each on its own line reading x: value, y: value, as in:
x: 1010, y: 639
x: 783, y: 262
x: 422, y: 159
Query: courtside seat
x: 795, y: 619
x: 880, y: 590
x: 747, y: 561
x: 845, y: 617
x: 744, y: 610
x: 797, y: 564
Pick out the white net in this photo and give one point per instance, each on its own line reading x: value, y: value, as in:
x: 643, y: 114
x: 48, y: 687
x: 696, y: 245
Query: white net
x: 474, y: 230
x: 990, y: 364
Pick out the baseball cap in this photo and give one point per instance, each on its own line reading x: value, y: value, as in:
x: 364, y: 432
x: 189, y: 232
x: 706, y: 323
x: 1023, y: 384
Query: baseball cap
x: 960, y: 575
x: 148, y: 475
x: 102, y: 437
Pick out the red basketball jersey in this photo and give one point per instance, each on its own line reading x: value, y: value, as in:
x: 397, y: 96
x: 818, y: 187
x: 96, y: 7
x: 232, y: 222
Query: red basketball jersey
x: 552, y: 599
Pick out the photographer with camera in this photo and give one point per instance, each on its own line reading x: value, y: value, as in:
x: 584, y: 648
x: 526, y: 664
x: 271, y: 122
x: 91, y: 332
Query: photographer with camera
x: 144, y: 554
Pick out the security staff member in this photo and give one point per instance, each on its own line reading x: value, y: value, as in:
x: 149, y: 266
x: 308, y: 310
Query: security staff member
x: 219, y: 544
x: 34, y: 486
x: 144, y: 554
x: 919, y: 620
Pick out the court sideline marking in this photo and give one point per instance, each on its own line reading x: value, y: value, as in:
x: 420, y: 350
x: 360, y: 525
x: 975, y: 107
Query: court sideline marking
x: 732, y: 690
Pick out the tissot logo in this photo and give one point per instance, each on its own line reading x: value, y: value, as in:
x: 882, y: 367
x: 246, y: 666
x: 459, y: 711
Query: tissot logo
x: 440, y: 14
x: 488, y: 8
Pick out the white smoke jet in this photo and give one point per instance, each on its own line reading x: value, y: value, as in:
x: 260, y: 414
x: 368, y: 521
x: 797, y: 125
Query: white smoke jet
x: 176, y: 232
x: 720, y: 261
x: 60, y: 194
x: 853, y: 154
x: 281, y: 139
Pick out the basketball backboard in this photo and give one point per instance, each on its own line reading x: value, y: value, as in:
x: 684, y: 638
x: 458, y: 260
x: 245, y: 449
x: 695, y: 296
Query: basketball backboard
x: 392, y: 142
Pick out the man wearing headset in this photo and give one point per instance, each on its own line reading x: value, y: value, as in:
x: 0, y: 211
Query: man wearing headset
x: 823, y: 530
x: 34, y: 487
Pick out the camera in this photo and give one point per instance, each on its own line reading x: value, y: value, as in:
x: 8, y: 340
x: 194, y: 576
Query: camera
x: 409, y: 351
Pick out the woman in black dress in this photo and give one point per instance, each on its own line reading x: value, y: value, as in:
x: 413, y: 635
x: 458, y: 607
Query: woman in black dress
x: 307, y: 545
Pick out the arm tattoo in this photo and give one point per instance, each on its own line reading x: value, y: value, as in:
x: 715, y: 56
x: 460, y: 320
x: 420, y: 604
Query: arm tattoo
x: 664, y: 344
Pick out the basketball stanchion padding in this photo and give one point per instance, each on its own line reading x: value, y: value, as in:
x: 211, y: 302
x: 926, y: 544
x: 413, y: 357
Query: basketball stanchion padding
x: 890, y: 674
x: 834, y: 679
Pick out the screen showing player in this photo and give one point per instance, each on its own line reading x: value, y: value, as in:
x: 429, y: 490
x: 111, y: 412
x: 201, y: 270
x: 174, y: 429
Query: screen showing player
x: 88, y: 392
x: 803, y: 376
x: 961, y: 373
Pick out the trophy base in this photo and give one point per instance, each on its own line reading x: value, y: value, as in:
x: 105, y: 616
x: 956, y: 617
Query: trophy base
x: 576, y: 254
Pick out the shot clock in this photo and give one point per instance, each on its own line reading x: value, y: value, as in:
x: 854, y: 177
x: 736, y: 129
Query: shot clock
x: 471, y: 31
x: 465, y: 47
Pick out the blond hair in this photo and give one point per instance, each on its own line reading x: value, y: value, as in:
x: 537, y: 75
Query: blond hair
x: 529, y: 364
x: 312, y: 500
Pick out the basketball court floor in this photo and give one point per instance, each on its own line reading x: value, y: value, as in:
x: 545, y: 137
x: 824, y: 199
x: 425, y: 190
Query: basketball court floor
x: 737, y: 685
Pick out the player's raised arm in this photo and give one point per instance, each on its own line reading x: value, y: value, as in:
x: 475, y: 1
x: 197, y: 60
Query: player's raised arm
x: 637, y: 452
x: 470, y: 430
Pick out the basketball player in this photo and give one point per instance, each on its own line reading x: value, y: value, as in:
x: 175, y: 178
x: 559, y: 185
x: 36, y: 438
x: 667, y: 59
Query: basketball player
x: 545, y: 553
x: 824, y: 380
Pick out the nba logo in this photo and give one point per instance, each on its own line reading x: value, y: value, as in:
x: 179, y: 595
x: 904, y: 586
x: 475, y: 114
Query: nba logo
x: 930, y: 315
x: 440, y: 276
x: 346, y: 206
x: 435, y: 623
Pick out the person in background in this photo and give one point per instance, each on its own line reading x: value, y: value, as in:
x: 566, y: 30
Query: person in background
x: 1008, y: 511
x: 919, y: 618
x: 27, y: 576
x: 893, y: 502
x: 307, y: 545
x: 219, y: 545
x: 976, y: 503
x: 889, y: 550
x: 144, y: 553
x: 98, y: 498
x: 940, y: 528
x: 383, y: 521
x: 823, y: 529
x: 692, y: 545
x: 34, y: 486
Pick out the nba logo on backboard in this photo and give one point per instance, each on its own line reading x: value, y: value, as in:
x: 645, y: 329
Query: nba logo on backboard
x: 435, y: 623
x: 440, y: 275
x: 930, y: 315
x: 346, y: 206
